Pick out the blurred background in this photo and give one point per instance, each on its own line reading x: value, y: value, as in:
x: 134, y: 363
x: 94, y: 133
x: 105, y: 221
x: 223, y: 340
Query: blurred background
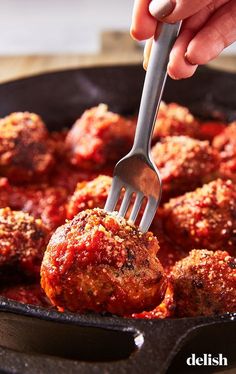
x: 43, y: 35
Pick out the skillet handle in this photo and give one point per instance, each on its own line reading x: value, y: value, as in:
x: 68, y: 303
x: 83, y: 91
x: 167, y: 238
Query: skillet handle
x: 34, y: 345
x: 171, y: 342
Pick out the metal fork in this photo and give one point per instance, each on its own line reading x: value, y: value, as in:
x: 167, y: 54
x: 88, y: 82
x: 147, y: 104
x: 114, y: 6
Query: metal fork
x: 136, y: 173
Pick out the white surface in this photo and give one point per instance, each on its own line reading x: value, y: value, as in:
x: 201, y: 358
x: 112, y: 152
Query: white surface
x: 51, y: 26
x: 61, y: 26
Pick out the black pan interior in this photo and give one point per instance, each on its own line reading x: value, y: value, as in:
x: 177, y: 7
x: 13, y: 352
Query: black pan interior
x: 62, y: 96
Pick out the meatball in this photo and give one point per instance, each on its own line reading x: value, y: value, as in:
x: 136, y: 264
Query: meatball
x: 98, y: 262
x: 26, y: 294
x: 98, y: 137
x: 169, y: 251
x: 227, y: 169
x: 165, y: 310
x: 205, y: 218
x: 41, y: 201
x: 174, y: 119
x: 205, y: 284
x: 225, y: 143
x: 24, y: 153
x: 184, y: 164
x: 226, y: 140
x: 89, y: 195
x: 5, y: 192
x: 93, y: 194
x: 23, y: 241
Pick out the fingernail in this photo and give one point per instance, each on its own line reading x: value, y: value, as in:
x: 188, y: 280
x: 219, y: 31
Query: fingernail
x: 132, y: 33
x: 188, y: 61
x: 145, y: 64
x: 161, y: 8
x: 174, y: 77
x: 170, y: 73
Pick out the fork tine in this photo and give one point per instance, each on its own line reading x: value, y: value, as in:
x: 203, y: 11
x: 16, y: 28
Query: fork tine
x: 136, y: 207
x: 113, y: 195
x: 125, y: 203
x: 148, y: 214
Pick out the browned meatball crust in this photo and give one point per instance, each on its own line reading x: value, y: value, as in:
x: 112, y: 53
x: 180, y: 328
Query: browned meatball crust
x: 98, y: 137
x: 204, y: 284
x: 226, y: 140
x: 165, y: 310
x: 225, y: 143
x: 174, y: 119
x: 184, y: 163
x: 89, y: 195
x: 98, y: 262
x: 24, y: 154
x: 23, y: 241
x: 39, y: 200
x: 205, y: 218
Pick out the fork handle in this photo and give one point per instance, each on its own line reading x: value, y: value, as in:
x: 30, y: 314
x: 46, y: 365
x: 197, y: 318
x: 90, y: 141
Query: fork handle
x: 164, y: 39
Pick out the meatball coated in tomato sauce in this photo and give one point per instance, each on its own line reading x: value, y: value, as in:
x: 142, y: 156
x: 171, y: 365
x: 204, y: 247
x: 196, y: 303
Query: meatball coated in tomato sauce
x: 165, y: 310
x: 184, y: 163
x: 89, y: 195
x: 5, y: 192
x: 26, y: 294
x: 98, y: 262
x: 24, y: 154
x: 93, y: 194
x: 226, y: 140
x: 204, y: 284
x: 23, y: 241
x: 174, y: 119
x: 225, y: 143
x: 204, y: 218
x: 98, y: 137
x: 42, y: 201
x: 39, y: 200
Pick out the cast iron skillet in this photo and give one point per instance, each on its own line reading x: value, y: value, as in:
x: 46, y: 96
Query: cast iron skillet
x: 36, y: 340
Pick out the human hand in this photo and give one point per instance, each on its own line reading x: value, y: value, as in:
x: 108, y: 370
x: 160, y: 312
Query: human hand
x: 209, y: 26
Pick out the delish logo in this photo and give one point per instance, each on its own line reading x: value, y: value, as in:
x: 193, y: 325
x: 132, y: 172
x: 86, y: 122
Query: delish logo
x: 207, y: 360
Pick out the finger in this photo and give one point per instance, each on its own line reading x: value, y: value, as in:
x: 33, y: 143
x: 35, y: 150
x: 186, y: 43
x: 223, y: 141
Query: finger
x: 179, y: 65
x: 175, y: 10
x: 218, y: 33
x: 143, y: 24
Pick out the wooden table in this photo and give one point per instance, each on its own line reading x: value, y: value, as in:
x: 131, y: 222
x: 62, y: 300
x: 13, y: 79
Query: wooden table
x: 13, y: 67
x: 116, y: 48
